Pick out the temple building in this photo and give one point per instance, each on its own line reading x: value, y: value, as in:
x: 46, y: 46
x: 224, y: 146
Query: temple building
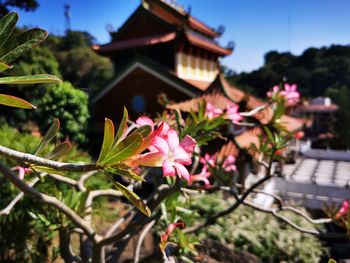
x: 161, y: 48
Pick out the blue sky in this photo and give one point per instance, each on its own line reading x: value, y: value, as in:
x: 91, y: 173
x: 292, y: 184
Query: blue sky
x: 256, y: 26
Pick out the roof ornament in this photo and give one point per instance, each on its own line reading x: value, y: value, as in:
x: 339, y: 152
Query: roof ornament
x: 231, y: 45
x: 221, y: 29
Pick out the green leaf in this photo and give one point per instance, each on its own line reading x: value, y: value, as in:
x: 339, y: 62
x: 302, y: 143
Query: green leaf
x: 201, y: 110
x: 133, y: 198
x: 269, y: 134
x: 34, y: 79
x: 60, y: 150
x: 331, y: 260
x: 126, y: 148
x: 144, y: 130
x: 108, y: 139
x: 126, y: 173
x: 4, y: 67
x: 44, y: 169
x: 21, y: 43
x: 13, y: 101
x: 7, y: 24
x: 50, y: 134
x: 122, y: 128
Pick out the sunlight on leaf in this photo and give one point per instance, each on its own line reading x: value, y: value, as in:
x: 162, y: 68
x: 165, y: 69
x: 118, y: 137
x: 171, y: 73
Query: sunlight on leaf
x: 108, y: 139
x: 33, y: 79
x: 12, y: 101
x: 133, y: 198
x: 50, y: 134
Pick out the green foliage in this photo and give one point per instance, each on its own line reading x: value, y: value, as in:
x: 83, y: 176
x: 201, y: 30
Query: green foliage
x: 314, y: 71
x: 26, y: 5
x: 341, y: 97
x: 69, y: 105
x: 26, y: 233
x: 259, y: 233
x: 12, y: 46
x: 84, y: 68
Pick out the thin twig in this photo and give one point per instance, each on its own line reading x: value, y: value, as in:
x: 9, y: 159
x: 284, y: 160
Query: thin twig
x: 27, y: 190
x: 32, y: 159
x: 141, y: 238
x: 255, y: 110
x: 18, y: 198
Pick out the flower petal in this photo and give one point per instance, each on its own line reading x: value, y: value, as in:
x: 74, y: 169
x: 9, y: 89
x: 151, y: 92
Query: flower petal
x: 182, y: 171
x: 144, y: 120
x: 173, y: 139
x: 188, y: 144
x: 168, y: 168
x: 181, y: 156
x: 151, y: 159
x: 160, y: 144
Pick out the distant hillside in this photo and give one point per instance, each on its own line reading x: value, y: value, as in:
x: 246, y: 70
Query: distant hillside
x: 315, y: 71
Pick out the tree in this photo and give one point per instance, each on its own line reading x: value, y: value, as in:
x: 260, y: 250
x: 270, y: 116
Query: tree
x: 26, y: 5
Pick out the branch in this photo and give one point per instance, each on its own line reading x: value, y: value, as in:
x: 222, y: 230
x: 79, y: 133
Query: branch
x: 63, y: 179
x: 27, y: 190
x: 255, y: 110
x: 275, y: 213
x: 139, y: 220
x: 18, y: 198
x: 32, y: 159
x: 83, y: 178
x: 211, y: 220
x: 141, y: 238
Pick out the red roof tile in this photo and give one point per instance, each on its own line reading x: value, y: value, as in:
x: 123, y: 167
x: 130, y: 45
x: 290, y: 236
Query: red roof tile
x: 202, y: 85
x: 209, y: 45
x: 201, y: 27
x: 229, y: 148
x: 219, y: 97
x: 136, y: 42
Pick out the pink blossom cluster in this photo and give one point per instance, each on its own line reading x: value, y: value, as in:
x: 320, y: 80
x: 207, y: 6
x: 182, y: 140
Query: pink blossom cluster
x: 166, y: 150
x: 231, y: 112
x: 209, y: 162
x: 344, y: 209
x: 289, y: 93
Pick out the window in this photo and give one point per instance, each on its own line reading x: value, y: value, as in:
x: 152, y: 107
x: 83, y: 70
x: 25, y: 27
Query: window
x: 138, y: 103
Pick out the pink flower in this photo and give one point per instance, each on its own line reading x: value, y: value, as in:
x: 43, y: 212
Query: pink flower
x: 167, y: 152
x: 144, y: 120
x: 22, y: 171
x: 228, y: 164
x: 162, y: 128
x: 211, y: 111
x: 208, y: 160
x: 232, y: 112
x: 273, y: 92
x: 290, y: 93
x: 202, y: 176
x: 344, y: 209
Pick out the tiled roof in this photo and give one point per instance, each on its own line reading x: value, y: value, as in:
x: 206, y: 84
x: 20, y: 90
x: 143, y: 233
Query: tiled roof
x: 202, y: 85
x: 247, y: 138
x: 229, y: 148
x: 220, y: 92
x: 135, y: 42
x: 206, y: 44
x: 201, y: 27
